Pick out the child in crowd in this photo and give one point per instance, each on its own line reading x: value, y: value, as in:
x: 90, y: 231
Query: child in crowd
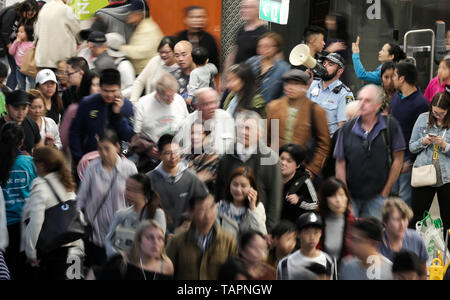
x: 203, y: 75
x: 18, y: 49
x: 309, y: 231
x: 437, y: 84
x: 284, y: 240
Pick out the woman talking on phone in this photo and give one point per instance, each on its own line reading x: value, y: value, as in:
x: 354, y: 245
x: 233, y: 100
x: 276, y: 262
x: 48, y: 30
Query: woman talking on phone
x: 241, y: 209
x: 107, y: 110
x: 430, y: 140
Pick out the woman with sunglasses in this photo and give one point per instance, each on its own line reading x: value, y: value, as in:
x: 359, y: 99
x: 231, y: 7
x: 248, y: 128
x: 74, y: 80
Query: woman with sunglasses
x: 430, y: 140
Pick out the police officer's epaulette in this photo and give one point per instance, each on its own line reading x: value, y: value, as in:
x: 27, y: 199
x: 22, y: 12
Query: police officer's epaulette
x: 338, y: 89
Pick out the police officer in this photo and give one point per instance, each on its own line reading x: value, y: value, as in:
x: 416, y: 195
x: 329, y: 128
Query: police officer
x: 330, y: 93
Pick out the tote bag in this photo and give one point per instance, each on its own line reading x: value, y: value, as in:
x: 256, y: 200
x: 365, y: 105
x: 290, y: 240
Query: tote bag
x: 29, y: 67
x: 62, y: 225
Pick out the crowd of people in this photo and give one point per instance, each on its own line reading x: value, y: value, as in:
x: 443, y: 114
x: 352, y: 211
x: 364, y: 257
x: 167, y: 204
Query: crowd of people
x: 275, y: 173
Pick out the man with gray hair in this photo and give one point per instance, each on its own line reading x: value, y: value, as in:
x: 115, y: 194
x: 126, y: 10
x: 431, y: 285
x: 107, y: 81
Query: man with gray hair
x: 369, y: 154
x: 250, y: 151
x: 99, y: 45
x: 215, y: 120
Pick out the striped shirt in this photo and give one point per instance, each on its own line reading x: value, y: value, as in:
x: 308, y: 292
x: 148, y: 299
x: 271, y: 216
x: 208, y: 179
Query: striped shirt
x: 4, y: 273
x: 96, y: 184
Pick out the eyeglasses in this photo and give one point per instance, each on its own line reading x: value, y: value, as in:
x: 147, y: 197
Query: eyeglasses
x: 70, y: 74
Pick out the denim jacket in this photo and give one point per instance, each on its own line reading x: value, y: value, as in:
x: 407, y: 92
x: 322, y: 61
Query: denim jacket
x: 425, y: 153
x: 272, y: 84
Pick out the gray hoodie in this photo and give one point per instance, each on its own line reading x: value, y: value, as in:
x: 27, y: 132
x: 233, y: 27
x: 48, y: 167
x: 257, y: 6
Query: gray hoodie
x: 176, y: 191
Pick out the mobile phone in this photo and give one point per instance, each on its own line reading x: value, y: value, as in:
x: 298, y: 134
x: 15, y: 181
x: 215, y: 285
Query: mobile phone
x: 432, y: 134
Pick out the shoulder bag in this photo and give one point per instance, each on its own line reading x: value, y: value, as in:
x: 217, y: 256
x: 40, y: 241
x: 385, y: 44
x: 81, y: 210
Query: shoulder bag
x: 62, y: 224
x: 425, y: 175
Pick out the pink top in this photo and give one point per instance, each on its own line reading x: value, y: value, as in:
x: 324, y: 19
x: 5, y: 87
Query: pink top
x: 18, y: 50
x: 64, y: 128
x: 433, y: 88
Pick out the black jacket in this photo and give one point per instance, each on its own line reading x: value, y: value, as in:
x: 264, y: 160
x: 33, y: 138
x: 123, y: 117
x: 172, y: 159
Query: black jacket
x: 8, y: 17
x: 301, y: 185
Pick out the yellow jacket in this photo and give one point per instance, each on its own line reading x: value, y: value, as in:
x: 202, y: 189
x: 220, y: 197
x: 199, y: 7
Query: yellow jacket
x: 143, y: 44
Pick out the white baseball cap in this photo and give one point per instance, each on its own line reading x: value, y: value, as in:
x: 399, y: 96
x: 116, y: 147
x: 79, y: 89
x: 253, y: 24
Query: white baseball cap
x: 45, y: 75
x: 115, y: 41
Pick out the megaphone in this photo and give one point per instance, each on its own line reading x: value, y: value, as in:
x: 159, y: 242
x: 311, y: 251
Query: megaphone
x: 301, y: 55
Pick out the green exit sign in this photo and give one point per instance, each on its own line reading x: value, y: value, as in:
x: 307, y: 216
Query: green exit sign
x: 276, y: 11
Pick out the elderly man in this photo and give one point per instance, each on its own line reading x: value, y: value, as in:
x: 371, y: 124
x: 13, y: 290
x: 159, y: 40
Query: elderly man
x: 183, y: 56
x: 217, y: 121
x: 369, y: 154
x: 250, y: 151
x: 99, y: 45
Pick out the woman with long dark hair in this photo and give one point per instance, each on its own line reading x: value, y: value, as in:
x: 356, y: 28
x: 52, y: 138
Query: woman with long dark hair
x: 242, y: 86
x: 102, y: 193
x: 430, y: 140
x: 241, y: 209
x: 54, y: 181
x: 335, y: 210
x: 17, y: 171
x: 23, y: 13
x: 90, y: 84
x: 145, y: 205
x: 46, y: 83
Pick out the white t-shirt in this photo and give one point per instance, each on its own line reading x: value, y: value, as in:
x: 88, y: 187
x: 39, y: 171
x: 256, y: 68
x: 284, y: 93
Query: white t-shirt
x: 293, y: 266
x: 49, y: 126
x: 154, y: 118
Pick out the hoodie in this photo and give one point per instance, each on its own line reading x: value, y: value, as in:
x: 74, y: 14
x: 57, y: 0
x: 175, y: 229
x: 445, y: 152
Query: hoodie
x: 176, y: 191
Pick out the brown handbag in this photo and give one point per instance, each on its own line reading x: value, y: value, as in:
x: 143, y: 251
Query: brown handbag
x: 29, y: 67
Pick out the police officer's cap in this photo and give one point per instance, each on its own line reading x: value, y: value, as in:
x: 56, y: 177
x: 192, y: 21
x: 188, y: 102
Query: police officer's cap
x: 309, y: 219
x: 336, y: 58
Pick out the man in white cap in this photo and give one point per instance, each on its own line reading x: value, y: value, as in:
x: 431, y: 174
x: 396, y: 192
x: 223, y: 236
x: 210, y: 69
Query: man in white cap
x: 127, y: 74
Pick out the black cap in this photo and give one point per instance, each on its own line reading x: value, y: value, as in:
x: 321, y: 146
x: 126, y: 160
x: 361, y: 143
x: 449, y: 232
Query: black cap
x: 138, y: 5
x: 97, y: 37
x: 336, y: 58
x: 17, y: 98
x: 296, y: 75
x: 309, y: 219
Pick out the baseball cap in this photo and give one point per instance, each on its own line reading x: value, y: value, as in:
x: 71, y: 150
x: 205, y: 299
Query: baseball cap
x: 115, y: 41
x: 45, y: 75
x: 296, y: 75
x: 336, y: 58
x: 138, y: 5
x: 97, y: 37
x: 17, y: 98
x: 309, y: 219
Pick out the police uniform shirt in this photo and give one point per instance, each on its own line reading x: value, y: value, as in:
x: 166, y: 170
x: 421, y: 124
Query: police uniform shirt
x: 333, y: 99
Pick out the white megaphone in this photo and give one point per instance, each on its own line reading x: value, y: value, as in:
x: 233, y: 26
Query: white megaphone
x: 301, y: 55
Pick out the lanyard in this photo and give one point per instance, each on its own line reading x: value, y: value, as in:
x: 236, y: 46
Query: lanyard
x: 436, y: 148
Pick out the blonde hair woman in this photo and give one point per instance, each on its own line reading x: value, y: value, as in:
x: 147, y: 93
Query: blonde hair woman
x: 146, y: 259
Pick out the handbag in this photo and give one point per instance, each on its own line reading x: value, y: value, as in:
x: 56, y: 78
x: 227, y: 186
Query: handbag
x: 28, y: 66
x: 425, y: 175
x: 62, y: 224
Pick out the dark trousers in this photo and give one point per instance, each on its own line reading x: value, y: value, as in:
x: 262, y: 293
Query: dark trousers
x: 14, y: 259
x: 95, y: 255
x: 422, y: 198
x: 53, y: 265
x: 12, y: 78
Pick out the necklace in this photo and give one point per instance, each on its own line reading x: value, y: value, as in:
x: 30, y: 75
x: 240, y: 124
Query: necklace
x: 142, y: 269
